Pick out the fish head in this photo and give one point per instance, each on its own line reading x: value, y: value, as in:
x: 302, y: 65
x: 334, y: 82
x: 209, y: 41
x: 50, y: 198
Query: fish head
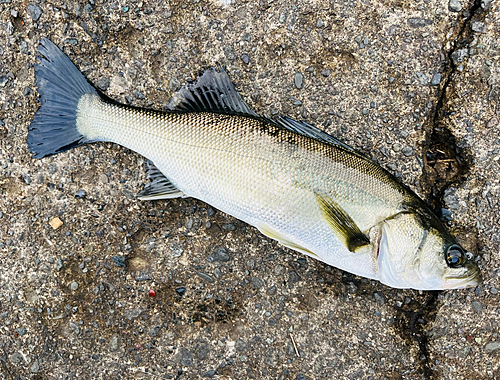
x: 416, y: 251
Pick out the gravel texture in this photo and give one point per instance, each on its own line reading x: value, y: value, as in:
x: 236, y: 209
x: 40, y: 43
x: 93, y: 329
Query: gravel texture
x: 96, y: 284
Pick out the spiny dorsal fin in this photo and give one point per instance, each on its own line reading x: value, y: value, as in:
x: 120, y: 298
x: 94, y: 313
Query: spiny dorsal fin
x: 306, y: 129
x: 344, y: 228
x: 212, y: 91
x: 160, y: 186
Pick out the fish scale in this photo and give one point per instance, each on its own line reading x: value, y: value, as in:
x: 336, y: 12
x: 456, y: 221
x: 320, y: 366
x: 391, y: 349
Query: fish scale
x: 292, y: 181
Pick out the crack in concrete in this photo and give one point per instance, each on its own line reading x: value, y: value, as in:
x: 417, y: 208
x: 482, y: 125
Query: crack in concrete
x: 444, y: 164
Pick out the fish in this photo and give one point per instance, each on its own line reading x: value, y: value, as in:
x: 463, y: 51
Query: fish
x: 292, y: 181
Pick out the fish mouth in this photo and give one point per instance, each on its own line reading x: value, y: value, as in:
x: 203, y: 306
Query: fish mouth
x: 471, y: 278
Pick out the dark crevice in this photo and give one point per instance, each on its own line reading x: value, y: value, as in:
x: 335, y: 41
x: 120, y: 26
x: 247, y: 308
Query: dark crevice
x: 411, y: 321
x: 445, y: 164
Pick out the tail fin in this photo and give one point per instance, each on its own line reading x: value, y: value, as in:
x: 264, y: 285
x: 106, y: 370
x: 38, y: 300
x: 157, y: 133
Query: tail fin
x: 60, y: 85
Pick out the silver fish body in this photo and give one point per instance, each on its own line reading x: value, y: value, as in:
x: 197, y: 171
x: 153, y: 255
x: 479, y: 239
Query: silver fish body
x: 288, y: 179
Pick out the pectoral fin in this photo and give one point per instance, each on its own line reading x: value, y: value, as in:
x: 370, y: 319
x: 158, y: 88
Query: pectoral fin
x: 344, y: 228
x: 285, y: 241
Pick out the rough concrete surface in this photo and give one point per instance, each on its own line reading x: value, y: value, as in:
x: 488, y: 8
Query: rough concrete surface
x: 413, y: 84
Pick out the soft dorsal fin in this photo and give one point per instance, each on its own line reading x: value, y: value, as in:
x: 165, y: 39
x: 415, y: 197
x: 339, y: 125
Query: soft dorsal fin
x: 344, y: 228
x: 160, y: 186
x: 212, y: 91
x: 306, y: 129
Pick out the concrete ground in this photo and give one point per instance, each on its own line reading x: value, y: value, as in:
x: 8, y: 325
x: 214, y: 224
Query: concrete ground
x: 413, y: 84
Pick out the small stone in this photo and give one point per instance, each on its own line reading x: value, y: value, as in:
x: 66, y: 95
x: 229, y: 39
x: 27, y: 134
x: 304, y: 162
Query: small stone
x: 26, y: 178
x: 14, y: 13
x: 485, y: 4
x: 27, y: 91
x: 451, y: 199
x: 422, y: 78
x: 241, y: 345
x: 219, y: 255
x: 269, y: 357
x: 154, y: 331
x: 119, y: 261
x: 379, y: 298
x: 418, y: 22
x: 174, y: 84
x: 17, y: 358
x: 436, y: 79
x: 477, y: 306
x: 455, y: 6
x: 74, y: 285
x: 56, y: 223
x: 293, y: 277
x: 478, y: 26
x: 34, y: 11
x: 230, y: 53
x: 132, y: 313
x: 299, y: 80
x: 459, y: 55
x: 492, y: 346
x: 245, y: 58
x: 80, y: 194
x: 493, y: 291
x: 35, y: 367
x: 74, y: 327
x: 181, y: 290
x: 21, y: 331
x: 176, y: 248
x: 206, y: 277
x: 184, y: 357
x: 114, y: 343
x: 271, y: 291
x: 257, y: 283
x: 71, y: 41
x: 3, y: 80
x: 143, y: 277
x: 103, y: 84
x: 320, y: 23
x: 325, y: 73
x: 203, y: 351
x: 407, y: 151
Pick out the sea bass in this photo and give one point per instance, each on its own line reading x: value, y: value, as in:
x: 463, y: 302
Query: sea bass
x: 295, y: 183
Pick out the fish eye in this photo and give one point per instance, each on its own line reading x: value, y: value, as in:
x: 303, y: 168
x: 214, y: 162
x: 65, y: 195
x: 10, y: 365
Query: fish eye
x: 455, y: 256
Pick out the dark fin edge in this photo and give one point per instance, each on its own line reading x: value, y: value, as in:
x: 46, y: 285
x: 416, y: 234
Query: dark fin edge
x: 60, y: 85
x: 212, y: 91
x: 306, y: 129
x: 160, y: 186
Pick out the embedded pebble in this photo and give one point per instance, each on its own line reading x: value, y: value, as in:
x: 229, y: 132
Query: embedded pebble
x: 492, y: 346
x: 114, y: 343
x: 299, y: 80
x: 35, y: 11
x: 219, y: 255
x: 477, y: 306
x: 455, y: 6
x: 478, y: 26
x: 418, y: 22
x: 74, y: 285
x: 436, y: 79
x: 257, y: 283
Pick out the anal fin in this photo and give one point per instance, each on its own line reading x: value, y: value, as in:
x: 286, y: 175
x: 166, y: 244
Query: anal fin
x: 344, y: 228
x: 285, y: 241
x: 160, y: 186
